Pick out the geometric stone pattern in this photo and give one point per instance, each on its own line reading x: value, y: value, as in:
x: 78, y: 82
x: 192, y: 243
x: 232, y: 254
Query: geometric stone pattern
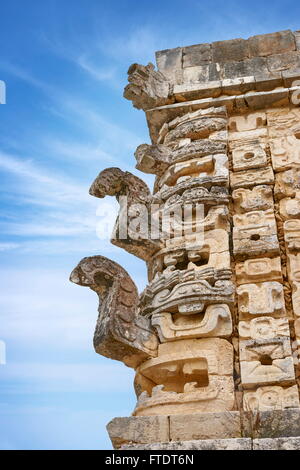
x: 216, y: 331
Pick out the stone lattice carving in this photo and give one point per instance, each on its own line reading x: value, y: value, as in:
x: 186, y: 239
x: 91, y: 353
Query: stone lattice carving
x: 217, y: 327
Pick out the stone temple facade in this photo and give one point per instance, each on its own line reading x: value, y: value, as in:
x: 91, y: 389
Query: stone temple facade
x: 214, y: 336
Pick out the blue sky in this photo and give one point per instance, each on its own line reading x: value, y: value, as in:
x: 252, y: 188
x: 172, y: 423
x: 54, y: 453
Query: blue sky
x: 65, y: 65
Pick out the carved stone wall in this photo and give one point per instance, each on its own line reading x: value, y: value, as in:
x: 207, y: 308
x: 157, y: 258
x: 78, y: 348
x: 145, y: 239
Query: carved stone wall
x: 216, y: 331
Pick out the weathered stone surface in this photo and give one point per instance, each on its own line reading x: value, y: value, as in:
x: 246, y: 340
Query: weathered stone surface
x: 206, y: 444
x: 287, y: 183
x: 205, y: 426
x: 234, y: 50
x: 279, y: 62
x: 217, y: 322
x: 264, y: 328
x: 271, y: 398
x: 259, y: 270
x: 279, y: 371
x: 120, y: 333
x: 250, y: 178
x: 274, y: 43
x: 281, y: 443
x: 138, y: 430
x: 258, y: 198
x: 271, y: 424
x: 147, y: 88
x: 265, y: 349
x: 134, y: 198
x: 169, y: 64
x: 247, y: 122
x: 265, y: 298
x: 199, y: 54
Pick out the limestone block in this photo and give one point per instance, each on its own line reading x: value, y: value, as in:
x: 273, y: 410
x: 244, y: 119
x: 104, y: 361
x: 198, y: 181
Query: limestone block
x: 181, y: 362
x: 249, y: 178
x: 188, y: 375
x: 138, y: 430
x: 291, y: 230
x: 260, y: 134
x: 271, y: 397
x: 245, y: 68
x: 254, y: 243
x: 280, y: 62
x: 247, y: 122
x: 258, y: 270
x: 279, y: 371
x: 217, y: 396
x: 297, y: 330
x: 233, y: 50
x: 215, y: 166
x: 285, y: 152
x: 247, y: 157
x: 258, y: 198
x: 265, y: 298
x: 264, y: 328
x: 289, y: 208
x: 216, y: 322
x: 271, y: 424
x: 280, y: 443
x: 260, y: 219
x: 297, y: 38
x: 169, y: 63
x: 265, y: 350
x: 296, y: 298
x: 205, y: 444
x: 198, y: 54
x: 196, y: 74
x: 274, y: 43
x: 205, y: 426
x: 293, y: 267
x: 283, y: 122
x: 287, y: 183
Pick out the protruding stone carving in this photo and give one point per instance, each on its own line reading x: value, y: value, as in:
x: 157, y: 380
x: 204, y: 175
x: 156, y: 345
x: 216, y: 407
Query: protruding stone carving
x: 285, y: 152
x: 214, y: 166
x: 196, y: 125
x: 265, y: 350
x: 187, y: 371
x: 260, y: 198
x: 270, y: 398
x: 147, y: 88
x: 188, y: 298
x: 263, y: 328
x: 265, y: 298
x: 283, y: 122
x: 290, y: 207
x: 287, y: 183
x: 215, y: 322
x: 259, y: 270
x: 120, y: 333
x: 248, y: 122
x: 249, y: 156
x: 134, y: 197
x: 292, y: 235
x: 278, y: 371
x: 249, y: 178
